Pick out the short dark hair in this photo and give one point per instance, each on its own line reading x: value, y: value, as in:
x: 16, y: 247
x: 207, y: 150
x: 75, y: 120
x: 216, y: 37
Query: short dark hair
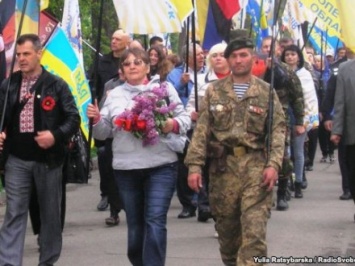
x: 293, y: 48
x: 33, y: 38
x: 269, y: 38
x: 341, y: 48
x: 139, y: 53
x: 286, y: 40
x: 155, y: 39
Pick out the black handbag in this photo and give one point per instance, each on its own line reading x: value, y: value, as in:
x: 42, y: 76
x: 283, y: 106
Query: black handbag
x: 75, y: 168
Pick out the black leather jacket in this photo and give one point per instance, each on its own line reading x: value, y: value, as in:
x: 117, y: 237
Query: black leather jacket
x: 63, y: 120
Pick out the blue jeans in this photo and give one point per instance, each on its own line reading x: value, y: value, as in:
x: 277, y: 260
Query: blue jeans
x: 298, y: 154
x: 146, y: 195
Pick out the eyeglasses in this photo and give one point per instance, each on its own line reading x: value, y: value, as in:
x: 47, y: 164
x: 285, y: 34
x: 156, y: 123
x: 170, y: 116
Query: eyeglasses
x: 214, y: 55
x: 136, y: 62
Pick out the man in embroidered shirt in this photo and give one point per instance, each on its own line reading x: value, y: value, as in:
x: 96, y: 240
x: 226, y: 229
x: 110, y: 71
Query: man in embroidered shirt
x: 233, y: 122
x: 39, y: 119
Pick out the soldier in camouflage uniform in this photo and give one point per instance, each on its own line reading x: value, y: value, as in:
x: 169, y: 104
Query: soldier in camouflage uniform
x: 231, y: 130
x: 289, y: 90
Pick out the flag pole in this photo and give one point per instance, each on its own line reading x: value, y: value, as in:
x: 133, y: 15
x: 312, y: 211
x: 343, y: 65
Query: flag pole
x: 309, y: 33
x: 193, y: 33
x: 270, y: 121
x: 187, y: 53
x: 90, y: 46
x: 12, y: 65
x: 93, y: 89
x: 336, y: 49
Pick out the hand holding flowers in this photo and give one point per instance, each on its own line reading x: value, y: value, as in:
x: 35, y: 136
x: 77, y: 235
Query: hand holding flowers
x: 150, y: 116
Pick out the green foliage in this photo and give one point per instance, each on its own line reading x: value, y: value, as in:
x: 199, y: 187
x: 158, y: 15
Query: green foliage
x: 174, y: 39
x: 89, y: 14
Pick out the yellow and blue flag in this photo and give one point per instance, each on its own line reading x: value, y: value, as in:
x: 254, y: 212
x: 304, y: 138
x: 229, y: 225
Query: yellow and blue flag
x: 59, y: 59
x: 258, y: 20
x: 31, y: 16
x: 327, y: 13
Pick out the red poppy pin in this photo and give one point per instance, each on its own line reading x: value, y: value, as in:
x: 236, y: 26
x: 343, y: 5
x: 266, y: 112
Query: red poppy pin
x: 48, y: 103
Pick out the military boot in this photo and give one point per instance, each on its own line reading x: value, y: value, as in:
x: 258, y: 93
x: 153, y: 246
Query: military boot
x: 298, y: 190
x: 281, y: 203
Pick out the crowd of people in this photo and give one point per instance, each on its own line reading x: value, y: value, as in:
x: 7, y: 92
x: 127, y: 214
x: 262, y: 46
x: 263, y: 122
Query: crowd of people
x: 221, y: 145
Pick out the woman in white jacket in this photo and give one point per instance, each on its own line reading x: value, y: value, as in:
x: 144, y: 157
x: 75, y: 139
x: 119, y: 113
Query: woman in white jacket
x: 293, y: 57
x: 145, y: 174
x: 217, y: 67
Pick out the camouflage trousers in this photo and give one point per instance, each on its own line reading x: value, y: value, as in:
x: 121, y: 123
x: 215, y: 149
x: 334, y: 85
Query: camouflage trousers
x: 287, y: 165
x: 241, y: 208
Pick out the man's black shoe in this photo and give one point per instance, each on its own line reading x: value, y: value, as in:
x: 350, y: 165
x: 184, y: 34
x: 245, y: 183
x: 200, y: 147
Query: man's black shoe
x: 112, y: 220
x: 186, y: 214
x: 203, y: 216
x: 309, y: 168
x: 103, y: 204
x: 345, y: 196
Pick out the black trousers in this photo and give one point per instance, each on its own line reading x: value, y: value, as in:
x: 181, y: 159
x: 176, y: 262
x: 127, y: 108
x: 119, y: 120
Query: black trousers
x: 350, y: 163
x: 326, y: 146
x: 113, y: 195
x: 343, y: 165
x: 189, y: 199
x: 312, y: 146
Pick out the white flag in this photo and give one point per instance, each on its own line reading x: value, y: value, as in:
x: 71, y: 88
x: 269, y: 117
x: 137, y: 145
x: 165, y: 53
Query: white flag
x: 71, y: 25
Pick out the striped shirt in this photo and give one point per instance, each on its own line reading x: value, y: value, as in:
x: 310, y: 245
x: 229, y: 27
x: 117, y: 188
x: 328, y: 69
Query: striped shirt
x: 240, y: 89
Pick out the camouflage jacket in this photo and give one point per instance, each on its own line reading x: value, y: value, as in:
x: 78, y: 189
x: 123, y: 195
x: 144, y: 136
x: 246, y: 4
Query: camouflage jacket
x: 289, y: 90
x: 237, y: 122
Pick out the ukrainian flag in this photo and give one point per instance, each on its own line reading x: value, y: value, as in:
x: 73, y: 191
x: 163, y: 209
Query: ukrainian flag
x: 258, y: 19
x: 31, y: 16
x: 59, y: 59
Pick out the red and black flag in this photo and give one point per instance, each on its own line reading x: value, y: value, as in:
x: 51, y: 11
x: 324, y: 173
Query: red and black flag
x: 215, y: 20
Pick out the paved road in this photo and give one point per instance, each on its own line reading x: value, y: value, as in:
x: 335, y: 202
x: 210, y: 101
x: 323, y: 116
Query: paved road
x: 317, y: 225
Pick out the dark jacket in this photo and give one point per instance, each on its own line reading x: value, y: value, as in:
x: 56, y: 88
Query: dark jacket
x: 63, y: 120
x: 328, y: 100
x: 107, y: 69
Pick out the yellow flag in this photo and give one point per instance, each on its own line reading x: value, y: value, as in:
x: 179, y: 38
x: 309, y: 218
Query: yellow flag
x: 346, y: 13
x: 183, y: 7
x: 202, y: 11
x: 44, y: 4
x: 327, y: 13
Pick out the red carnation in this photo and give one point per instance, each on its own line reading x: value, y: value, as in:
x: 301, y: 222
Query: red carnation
x: 128, y: 125
x: 48, y: 103
x: 119, y: 122
x: 141, y: 125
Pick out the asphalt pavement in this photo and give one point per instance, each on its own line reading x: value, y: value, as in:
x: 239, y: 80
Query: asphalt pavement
x: 319, y: 227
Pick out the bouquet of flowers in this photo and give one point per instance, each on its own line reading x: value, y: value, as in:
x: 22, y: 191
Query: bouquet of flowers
x: 148, y: 115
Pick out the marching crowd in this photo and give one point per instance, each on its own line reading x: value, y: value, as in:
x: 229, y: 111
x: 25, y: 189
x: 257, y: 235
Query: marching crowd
x: 223, y: 146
